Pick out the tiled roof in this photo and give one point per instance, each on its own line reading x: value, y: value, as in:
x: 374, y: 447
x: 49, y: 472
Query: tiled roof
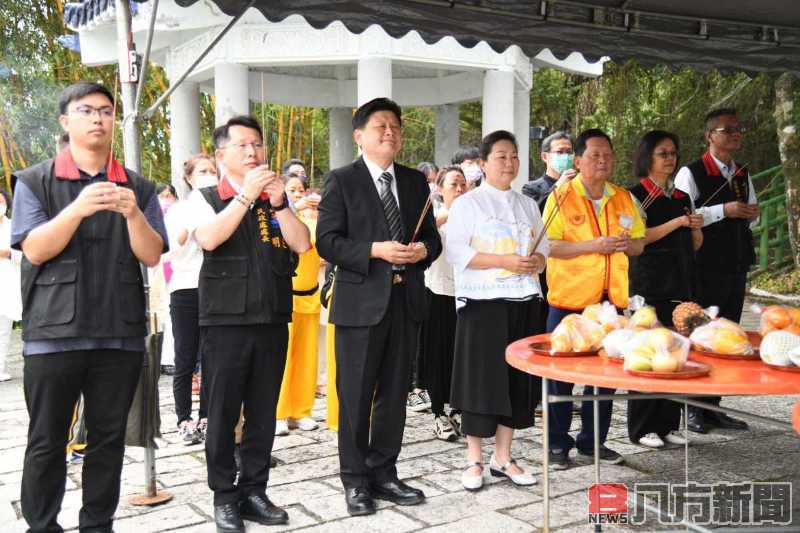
x: 89, y: 13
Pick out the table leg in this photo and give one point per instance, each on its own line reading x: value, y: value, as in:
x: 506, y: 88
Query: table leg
x: 596, y: 417
x: 545, y: 457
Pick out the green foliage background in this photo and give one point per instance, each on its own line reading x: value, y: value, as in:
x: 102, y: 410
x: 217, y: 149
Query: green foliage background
x: 626, y: 101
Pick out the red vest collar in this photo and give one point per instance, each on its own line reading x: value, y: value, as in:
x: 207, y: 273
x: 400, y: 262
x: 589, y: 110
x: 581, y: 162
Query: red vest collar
x: 66, y: 169
x: 713, y: 170
x: 656, y: 191
x: 226, y: 190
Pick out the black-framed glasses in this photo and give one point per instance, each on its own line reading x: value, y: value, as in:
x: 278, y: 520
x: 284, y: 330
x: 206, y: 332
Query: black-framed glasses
x: 731, y: 130
x: 87, y: 111
x: 566, y: 151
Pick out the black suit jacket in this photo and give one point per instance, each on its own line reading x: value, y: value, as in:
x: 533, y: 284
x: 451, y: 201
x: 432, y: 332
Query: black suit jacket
x: 351, y: 218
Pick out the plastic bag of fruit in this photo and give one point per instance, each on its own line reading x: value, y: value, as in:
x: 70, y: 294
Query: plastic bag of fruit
x: 644, y: 316
x: 606, y: 315
x: 722, y: 336
x: 778, y: 318
x: 780, y: 348
x: 615, y: 341
x: 576, y: 333
x: 658, y: 350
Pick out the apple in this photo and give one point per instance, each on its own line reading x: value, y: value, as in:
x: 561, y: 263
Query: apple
x: 638, y: 362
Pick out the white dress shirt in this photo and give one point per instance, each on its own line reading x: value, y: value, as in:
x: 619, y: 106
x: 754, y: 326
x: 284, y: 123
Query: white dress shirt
x: 185, y: 259
x: 375, y: 171
x: 439, y: 277
x: 684, y: 181
x: 492, y: 221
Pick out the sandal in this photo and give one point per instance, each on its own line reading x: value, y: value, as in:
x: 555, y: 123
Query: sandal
x: 522, y: 480
x: 471, y: 482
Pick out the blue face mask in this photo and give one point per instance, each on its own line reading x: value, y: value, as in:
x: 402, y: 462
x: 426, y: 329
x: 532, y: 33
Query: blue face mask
x: 561, y: 162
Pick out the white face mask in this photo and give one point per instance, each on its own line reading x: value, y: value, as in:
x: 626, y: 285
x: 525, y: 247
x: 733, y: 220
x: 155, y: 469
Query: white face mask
x: 206, y: 180
x: 3, y: 209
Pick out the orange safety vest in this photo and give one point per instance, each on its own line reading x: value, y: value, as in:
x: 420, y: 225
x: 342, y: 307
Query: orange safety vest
x: 581, y: 281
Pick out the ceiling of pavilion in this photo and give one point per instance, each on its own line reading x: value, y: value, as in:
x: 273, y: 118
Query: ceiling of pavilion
x: 749, y: 35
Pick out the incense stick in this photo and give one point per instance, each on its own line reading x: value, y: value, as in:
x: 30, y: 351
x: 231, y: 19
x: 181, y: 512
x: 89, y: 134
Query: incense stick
x: 425, y: 209
x: 726, y: 183
x: 550, y: 219
x: 113, y: 122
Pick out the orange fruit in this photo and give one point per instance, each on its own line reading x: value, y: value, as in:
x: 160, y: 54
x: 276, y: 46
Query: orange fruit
x: 777, y: 316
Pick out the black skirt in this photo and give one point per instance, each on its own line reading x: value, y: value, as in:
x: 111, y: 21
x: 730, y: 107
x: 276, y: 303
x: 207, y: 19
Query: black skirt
x: 482, y: 381
x: 436, y: 345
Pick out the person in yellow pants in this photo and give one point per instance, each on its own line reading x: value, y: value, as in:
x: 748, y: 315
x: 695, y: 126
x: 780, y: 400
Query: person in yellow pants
x: 300, y: 376
x: 332, y: 398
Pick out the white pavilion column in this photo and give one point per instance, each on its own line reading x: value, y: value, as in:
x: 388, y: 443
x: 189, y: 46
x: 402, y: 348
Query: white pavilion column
x: 231, y: 91
x: 340, y: 136
x: 498, y: 101
x: 184, y: 125
x: 522, y: 126
x: 374, y: 78
x: 447, y: 133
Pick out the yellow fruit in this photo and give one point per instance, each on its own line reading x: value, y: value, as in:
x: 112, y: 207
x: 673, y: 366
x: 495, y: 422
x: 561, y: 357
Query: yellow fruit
x: 642, y: 351
x: 635, y: 362
x: 593, y: 312
x: 560, y: 343
x: 729, y: 343
x: 660, y: 339
x: 664, y: 362
x: 644, y: 318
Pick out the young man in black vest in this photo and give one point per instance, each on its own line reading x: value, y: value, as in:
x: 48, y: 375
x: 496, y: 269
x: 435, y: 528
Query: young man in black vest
x: 250, y: 239
x: 724, y: 194
x: 378, y: 301
x: 84, y: 223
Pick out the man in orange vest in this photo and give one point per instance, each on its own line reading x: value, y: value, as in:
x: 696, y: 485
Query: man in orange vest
x: 595, y: 229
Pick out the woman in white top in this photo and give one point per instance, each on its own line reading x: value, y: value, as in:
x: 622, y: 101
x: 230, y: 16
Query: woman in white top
x: 491, y: 233
x: 11, y: 302
x: 438, y: 332
x: 186, y: 259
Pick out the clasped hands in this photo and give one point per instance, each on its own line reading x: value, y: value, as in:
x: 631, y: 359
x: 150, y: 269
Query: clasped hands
x: 106, y: 196
x: 262, y: 179
x: 612, y: 244
x: 398, y: 253
x: 741, y: 210
x: 523, y: 264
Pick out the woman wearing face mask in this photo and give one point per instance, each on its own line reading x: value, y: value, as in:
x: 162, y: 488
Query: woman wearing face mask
x: 199, y: 171
x: 11, y: 302
x: 469, y: 158
x: 665, y: 272
x: 437, y: 334
x: 300, y: 375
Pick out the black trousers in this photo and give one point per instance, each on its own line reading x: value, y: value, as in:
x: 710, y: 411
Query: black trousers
x: 242, y: 366
x: 186, y: 332
x: 725, y: 290
x: 53, y: 383
x: 373, y: 366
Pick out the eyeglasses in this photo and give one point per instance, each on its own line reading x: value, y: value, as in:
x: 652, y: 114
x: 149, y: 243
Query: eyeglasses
x: 730, y: 130
x: 241, y: 147
x: 87, y: 111
x: 561, y: 152
x: 666, y: 155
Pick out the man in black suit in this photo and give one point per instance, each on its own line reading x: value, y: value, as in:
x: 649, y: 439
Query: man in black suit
x: 378, y: 301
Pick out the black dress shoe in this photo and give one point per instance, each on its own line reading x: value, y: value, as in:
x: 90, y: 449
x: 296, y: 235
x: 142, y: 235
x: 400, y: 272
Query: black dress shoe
x: 696, y: 422
x: 228, y: 519
x: 398, y: 492
x: 359, y: 501
x: 723, y: 421
x: 168, y: 370
x: 257, y: 508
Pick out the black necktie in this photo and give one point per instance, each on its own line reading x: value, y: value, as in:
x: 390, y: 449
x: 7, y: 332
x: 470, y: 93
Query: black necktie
x: 390, y: 208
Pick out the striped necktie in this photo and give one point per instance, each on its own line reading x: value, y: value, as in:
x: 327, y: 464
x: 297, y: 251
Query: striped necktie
x: 390, y: 208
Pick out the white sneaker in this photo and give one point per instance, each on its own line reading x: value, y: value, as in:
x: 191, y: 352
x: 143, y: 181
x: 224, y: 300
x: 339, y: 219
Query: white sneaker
x: 5, y: 376
x: 306, y: 424
x: 443, y: 429
x: 652, y: 440
x: 415, y: 403
x: 674, y: 437
x: 472, y: 482
x: 281, y: 428
x: 522, y: 480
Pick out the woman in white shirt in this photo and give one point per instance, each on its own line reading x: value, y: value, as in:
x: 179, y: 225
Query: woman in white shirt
x: 490, y: 237
x: 437, y: 334
x: 186, y: 259
x: 11, y: 302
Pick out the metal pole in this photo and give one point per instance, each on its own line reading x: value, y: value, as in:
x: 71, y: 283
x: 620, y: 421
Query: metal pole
x: 146, y: 57
x: 545, y: 456
x: 130, y: 141
x: 596, y: 420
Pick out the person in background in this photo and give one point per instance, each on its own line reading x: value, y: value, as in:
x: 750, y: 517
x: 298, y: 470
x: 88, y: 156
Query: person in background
x: 591, y: 236
x: 296, y: 167
x: 186, y: 259
x: 665, y: 272
x: 299, y: 385
x: 431, y: 172
x: 722, y: 191
x: 490, y: 235
x: 84, y: 224
x: 158, y: 278
x: 438, y: 331
x: 469, y: 159
x: 558, y: 156
x: 10, y: 303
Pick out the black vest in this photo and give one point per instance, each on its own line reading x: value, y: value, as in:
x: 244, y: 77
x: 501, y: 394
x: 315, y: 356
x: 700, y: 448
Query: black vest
x: 666, y: 268
x: 93, y: 288
x: 727, y: 244
x: 246, y: 280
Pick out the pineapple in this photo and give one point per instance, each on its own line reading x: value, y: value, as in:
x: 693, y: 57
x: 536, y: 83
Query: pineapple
x: 687, y: 316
